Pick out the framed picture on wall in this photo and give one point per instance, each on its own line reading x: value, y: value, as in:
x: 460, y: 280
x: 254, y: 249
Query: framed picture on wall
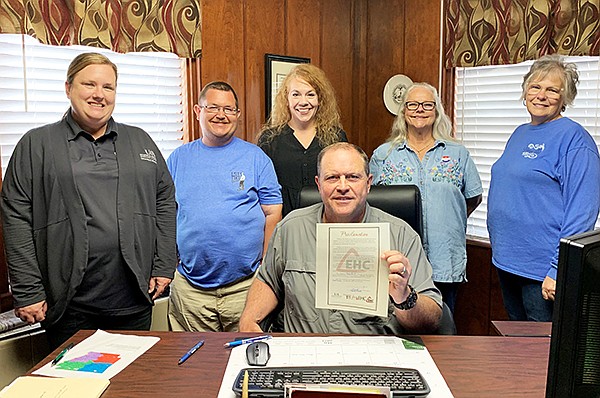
x: 276, y: 69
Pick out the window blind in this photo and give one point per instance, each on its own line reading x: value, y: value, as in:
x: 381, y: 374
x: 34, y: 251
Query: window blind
x: 32, y: 90
x: 488, y: 108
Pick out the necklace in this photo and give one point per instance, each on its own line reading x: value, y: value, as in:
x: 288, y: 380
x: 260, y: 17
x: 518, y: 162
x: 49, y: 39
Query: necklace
x: 426, y: 146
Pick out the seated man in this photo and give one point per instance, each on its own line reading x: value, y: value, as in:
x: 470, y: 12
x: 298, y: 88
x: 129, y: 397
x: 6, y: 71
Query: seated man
x: 287, y: 274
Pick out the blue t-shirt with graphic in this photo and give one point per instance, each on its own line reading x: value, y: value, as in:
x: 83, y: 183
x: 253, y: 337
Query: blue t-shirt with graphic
x: 545, y: 186
x: 220, y: 222
x: 446, y: 177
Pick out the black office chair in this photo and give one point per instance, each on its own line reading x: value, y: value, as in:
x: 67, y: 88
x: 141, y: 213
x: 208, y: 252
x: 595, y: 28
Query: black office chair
x: 402, y: 201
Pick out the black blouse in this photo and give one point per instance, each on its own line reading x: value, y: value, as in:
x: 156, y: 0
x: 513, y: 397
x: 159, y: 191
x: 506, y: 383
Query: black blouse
x: 295, y: 165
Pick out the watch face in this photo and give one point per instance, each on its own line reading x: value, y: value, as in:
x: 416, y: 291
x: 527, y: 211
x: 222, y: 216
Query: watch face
x: 410, y: 301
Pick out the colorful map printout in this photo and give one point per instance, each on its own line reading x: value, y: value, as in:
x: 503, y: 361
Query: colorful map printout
x: 101, y: 356
x: 94, y: 362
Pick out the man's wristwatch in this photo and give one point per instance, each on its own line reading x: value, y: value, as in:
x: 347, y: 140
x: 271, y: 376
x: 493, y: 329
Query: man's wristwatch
x: 410, y: 301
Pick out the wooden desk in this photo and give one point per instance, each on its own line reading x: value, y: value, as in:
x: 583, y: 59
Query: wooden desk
x: 522, y: 328
x: 473, y: 366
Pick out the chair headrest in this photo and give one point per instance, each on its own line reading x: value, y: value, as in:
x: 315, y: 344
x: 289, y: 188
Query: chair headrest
x: 402, y: 201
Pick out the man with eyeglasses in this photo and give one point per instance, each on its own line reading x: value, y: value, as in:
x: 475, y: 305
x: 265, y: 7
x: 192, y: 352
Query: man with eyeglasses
x: 228, y: 203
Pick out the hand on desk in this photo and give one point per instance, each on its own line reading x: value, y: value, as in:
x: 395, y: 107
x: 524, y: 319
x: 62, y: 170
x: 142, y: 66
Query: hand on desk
x: 32, y: 313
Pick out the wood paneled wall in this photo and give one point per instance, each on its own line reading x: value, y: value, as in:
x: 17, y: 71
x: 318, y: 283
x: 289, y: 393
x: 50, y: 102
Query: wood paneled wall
x: 479, y: 301
x: 359, y: 44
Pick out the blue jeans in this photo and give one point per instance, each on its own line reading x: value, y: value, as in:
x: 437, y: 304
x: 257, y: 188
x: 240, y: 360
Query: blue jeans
x: 523, y: 299
x: 449, y: 291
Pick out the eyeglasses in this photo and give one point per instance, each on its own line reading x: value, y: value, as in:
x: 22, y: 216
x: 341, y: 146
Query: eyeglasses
x: 215, y: 109
x: 414, y: 105
x: 551, y: 92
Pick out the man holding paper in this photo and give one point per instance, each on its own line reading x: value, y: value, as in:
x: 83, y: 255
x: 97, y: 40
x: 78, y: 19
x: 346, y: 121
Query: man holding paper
x: 287, y: 278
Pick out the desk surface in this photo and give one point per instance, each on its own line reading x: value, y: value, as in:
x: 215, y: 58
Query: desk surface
x: 523, y: 329
x: 473, y: 366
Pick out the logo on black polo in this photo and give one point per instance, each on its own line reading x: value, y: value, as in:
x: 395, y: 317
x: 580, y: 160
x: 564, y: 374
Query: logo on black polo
x: 148, y: 156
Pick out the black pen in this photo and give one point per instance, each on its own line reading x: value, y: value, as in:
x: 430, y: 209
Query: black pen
x: 61, y: 354
x: 190, y: 352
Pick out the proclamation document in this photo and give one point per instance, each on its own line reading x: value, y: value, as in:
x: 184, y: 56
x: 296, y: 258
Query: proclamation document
x: 351, y: 275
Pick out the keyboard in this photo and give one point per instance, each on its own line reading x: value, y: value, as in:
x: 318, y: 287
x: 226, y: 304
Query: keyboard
x: 268, y: 382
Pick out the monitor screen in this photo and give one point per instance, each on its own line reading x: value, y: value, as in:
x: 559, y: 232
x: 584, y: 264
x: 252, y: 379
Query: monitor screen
x: 574, y: 364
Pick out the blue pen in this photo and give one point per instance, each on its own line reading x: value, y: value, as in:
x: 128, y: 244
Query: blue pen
x: 190, y: 352
x: 246, y: 341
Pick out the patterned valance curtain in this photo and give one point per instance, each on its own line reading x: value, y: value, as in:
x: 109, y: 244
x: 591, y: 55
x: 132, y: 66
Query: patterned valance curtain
x: 121, y: 26
x: 496, y: 32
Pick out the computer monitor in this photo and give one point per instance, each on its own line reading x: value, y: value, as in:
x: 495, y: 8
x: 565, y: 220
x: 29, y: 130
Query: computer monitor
x: 574, y: 364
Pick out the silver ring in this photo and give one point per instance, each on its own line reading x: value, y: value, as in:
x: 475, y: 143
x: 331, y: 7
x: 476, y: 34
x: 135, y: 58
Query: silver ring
x: 403, y: 271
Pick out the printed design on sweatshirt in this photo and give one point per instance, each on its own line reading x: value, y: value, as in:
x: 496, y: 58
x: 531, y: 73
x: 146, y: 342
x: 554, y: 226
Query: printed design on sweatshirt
x: 533, y: 150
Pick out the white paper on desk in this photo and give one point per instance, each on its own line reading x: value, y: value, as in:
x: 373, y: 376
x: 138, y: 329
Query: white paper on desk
x: 351, y: 276
x: 341, y: 350
x: 101, y: 356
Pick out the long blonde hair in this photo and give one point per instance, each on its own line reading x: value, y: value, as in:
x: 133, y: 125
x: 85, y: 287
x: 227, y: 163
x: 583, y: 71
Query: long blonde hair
x: 327, y: 121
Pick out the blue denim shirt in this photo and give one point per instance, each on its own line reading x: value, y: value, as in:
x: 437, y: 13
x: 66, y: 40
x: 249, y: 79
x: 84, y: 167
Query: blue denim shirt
x: 446, y: 176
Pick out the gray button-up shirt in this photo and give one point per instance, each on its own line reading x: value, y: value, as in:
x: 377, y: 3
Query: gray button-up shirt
x: 289, y: 268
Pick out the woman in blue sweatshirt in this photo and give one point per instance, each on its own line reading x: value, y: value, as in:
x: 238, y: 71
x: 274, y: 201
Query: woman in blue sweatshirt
x: 545, y: 186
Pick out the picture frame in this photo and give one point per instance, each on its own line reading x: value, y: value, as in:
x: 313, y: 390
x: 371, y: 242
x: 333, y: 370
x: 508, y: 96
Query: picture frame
x: 276, y: 69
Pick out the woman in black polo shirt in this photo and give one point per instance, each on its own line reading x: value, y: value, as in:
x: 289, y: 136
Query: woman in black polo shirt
x: 305, y: 119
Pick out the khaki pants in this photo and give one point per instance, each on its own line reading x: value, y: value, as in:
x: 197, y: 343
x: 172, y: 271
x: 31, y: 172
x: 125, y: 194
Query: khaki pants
x: 193, y: 309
